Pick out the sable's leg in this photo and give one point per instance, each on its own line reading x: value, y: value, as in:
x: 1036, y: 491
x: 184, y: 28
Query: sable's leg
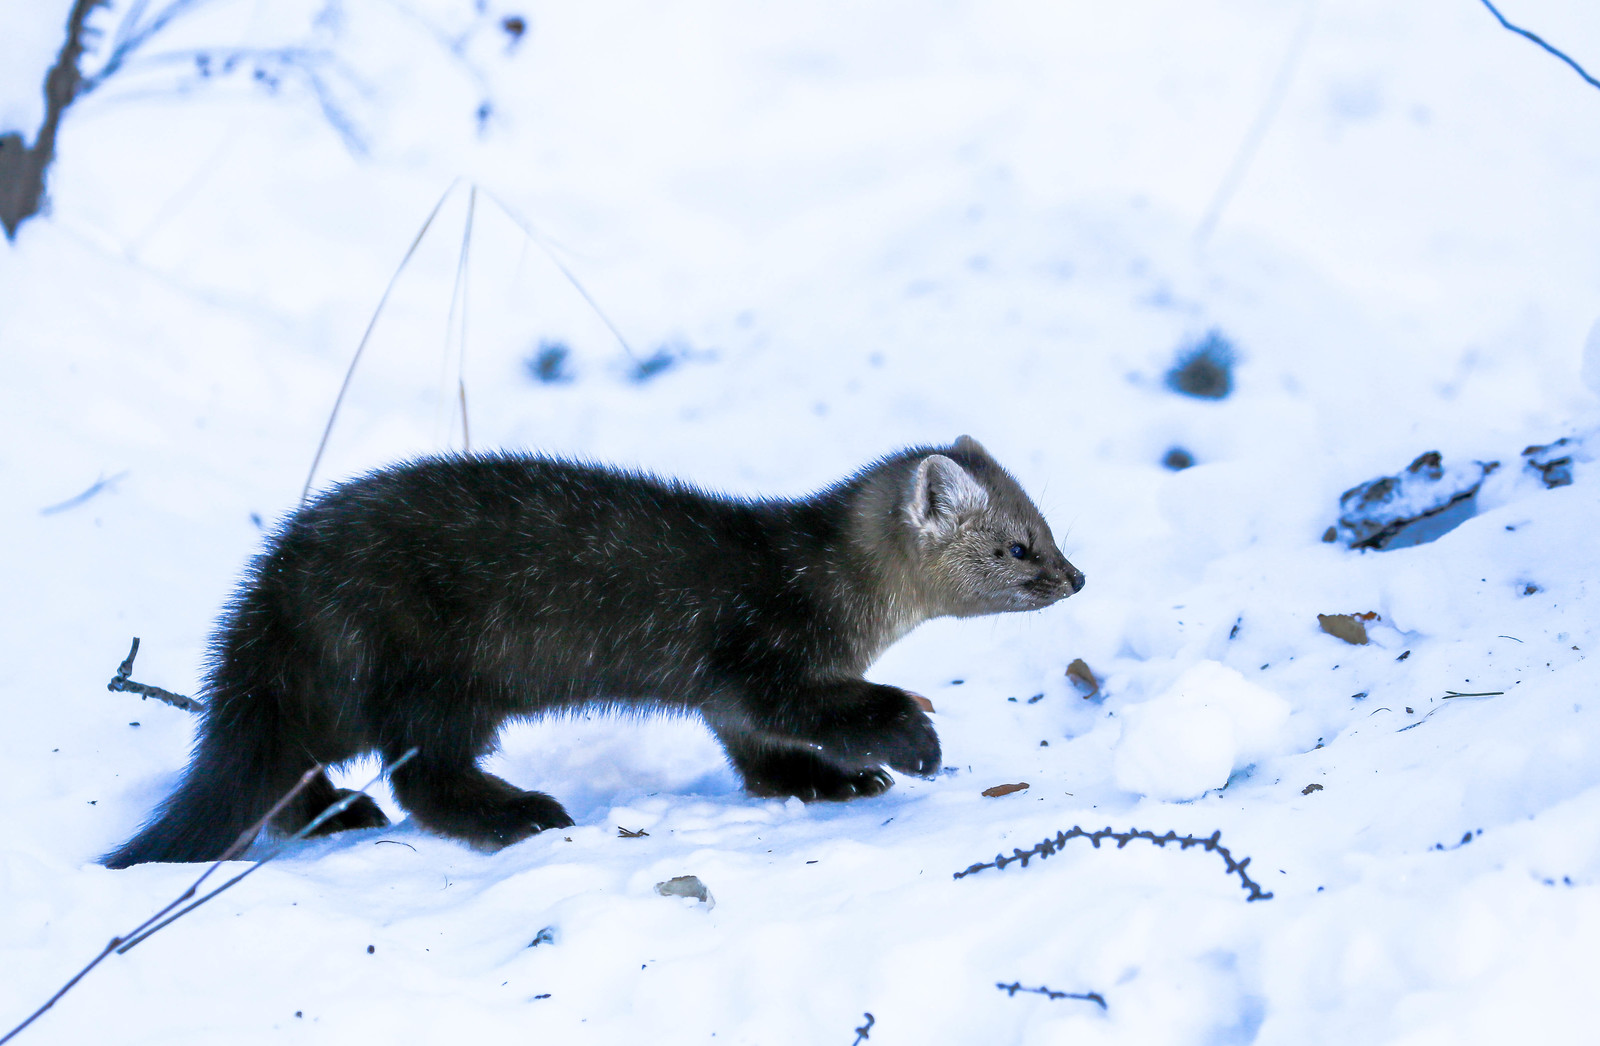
x: 459, y: 800
x: 783, y: 770
x: 447, y: 714
x: 317, y: 797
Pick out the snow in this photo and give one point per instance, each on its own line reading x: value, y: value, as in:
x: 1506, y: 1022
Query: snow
x: 1192, y: 737
x: 852, y: 229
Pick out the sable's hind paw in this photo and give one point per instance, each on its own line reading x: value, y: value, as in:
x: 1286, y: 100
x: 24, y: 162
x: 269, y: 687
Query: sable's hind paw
x: 363, y: 813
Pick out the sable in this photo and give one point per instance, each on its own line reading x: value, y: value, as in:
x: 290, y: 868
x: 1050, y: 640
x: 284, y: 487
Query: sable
x: 423, y: 605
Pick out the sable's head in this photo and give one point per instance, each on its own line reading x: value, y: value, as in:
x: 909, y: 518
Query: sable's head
x: 982, y: 545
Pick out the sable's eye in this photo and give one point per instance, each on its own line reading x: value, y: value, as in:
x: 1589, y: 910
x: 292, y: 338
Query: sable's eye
x: 1018, y: 552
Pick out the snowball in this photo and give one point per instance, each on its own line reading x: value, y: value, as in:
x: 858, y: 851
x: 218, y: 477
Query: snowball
x: 1193, y: 736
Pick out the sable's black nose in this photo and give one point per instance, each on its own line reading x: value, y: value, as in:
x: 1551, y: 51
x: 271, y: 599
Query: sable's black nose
x: 1074, y: 578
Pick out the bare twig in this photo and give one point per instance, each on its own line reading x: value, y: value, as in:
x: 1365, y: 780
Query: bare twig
x: 1466, y: 838
x: 1049, y: 846
x: 131, y: 35
x: 167, y: 915
x: 458, y: 306
x: 1448, y: 694
x: 23, y: 167
x: 121, y: 683
x: 316, y: 822
x: 319, y: 67
x: 863, y: 1033
x: 1253, y: 138
x: 1014, y: 987
x: 361, y: 346
x: 103, y: 483
x: 118, y: 943
x: 1591, y: 81
x: 544, y: 245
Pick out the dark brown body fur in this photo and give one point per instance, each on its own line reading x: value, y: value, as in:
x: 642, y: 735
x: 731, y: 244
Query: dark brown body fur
x: 425, y: 604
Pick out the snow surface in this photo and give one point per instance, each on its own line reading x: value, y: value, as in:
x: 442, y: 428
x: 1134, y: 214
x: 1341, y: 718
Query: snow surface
x: 1193, y: 737
x: 851, y: 228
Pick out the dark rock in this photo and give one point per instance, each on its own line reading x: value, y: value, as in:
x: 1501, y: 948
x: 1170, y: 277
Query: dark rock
x: 1420, y: 504
x: 1552, y: 461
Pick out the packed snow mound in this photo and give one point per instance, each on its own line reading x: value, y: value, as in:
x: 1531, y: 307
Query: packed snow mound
x: 1193, y: 736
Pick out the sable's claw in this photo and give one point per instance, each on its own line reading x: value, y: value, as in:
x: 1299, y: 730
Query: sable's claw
x: 916, y: 751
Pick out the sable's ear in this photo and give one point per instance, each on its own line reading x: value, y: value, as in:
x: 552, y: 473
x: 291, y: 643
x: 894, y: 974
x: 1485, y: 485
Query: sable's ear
x: 968, y: 445
x: 941, y: 494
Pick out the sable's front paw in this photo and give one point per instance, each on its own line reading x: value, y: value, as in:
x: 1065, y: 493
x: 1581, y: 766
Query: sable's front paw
x: 801, y: 774
x: 914, y: 749
x: 872, y: 725
x: 514, y: 820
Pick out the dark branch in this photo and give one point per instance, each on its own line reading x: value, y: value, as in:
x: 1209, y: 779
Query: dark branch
x: 22, y: 168
x: 166, y: 916
x: 73, y: 502
x: 1013, y: 988
x: 131, y: 36
x: 244, y: 841
x: 1591, y: 81
x: 119, y: 942
x: 543, y: 243
x: 1049, y: 846
x: 121, y: 683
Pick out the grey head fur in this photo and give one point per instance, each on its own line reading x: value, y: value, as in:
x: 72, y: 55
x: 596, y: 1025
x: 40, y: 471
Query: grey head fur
x: 947, y: 531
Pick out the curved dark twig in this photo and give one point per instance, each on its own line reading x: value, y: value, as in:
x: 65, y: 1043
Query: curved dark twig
x: 1049, y: 846
x: 121, y: 682
x: 1016, y: 986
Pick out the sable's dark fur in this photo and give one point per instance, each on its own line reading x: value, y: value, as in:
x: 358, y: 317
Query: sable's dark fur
x: 426, y: 603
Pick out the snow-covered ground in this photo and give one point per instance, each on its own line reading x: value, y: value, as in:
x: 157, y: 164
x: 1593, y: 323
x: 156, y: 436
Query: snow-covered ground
x: 851, y: 228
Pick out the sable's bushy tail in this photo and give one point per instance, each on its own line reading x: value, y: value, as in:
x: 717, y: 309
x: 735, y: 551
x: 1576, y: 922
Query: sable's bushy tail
x: 241, y: 766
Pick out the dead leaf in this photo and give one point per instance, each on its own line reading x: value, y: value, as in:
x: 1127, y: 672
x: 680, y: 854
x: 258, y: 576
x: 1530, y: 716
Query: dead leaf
x: 920, y: 701
x: 1083, y: 678
x: 998, y: 790
x: 1351, y: 628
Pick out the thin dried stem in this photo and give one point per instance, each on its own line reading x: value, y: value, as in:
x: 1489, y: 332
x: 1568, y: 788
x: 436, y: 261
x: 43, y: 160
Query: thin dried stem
x: 361, y: 347
x: 167, y: 915
x: 543, y: 242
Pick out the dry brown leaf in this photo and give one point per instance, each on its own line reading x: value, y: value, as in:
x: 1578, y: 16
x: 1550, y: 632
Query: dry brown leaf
x: 1083, y: 678
x: 920, y: 701
x: 1351, y: 628
x: 998, y: 790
